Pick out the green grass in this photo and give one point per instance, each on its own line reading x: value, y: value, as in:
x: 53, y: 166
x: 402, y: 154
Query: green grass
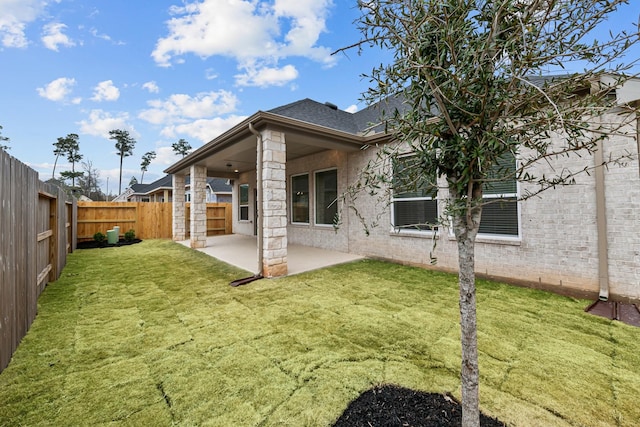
x: 152, y: 334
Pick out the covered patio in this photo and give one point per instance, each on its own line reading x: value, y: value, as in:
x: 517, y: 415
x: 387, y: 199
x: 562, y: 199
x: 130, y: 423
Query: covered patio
x: 255, y: 153
x: 241, y: 251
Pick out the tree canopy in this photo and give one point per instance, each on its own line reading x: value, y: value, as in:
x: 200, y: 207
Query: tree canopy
x: 146, y: 161
x: 181, y: 147
x: 479, y: 107
x: 70, y: 148
x: 3, y: 139
x: 124, y: 144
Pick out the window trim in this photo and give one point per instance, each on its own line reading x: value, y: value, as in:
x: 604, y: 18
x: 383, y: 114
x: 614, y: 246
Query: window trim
x: 309, y: 201
x: 516, y: 196
x: 509, y: 237
x: 315, y: 198
x: 241, y: 205
x: 395, y: 229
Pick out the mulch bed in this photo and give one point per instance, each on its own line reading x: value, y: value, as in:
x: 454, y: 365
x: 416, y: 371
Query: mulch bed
x: 390, y: 405
x: 92, y: 244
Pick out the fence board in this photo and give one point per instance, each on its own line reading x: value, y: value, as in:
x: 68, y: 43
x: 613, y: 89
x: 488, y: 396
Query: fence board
x: 30, y: 247
x: 149, y: 220
x: 27, y: 220
x: 5, y: 224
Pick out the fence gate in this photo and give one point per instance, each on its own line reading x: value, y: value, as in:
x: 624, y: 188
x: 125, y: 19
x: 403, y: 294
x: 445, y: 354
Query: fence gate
x: 45, y: 250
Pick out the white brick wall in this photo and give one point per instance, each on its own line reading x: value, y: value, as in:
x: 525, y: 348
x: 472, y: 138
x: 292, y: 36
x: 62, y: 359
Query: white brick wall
x: 558, y: 242
x: 321, y: 236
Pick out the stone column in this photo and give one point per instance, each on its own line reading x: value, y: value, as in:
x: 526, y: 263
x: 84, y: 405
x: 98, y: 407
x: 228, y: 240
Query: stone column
x: 179, y: 231
x: 198, y: 228
x: 274, y: 204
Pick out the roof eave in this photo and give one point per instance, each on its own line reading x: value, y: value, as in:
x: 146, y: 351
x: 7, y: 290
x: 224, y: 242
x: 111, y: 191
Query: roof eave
x: 215, y: 144
x: 260, y: 120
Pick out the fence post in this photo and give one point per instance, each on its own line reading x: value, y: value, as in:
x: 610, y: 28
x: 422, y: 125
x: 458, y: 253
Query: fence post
x: 53, y: 239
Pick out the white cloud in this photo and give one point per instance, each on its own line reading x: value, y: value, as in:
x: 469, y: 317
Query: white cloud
x: 307, y: 22
x: 210, y: 74
x: 105, y: 91
x: 100, y: 122
x: 166, y: 156
x: 181, y: 107
x: 257, y: 34
x: 58, y: 89
x: 351, y: 108
x: 151, y: 86
x: 203, y: 129
x: 94, y: 32
x: 14, y: 17
x: 54, y: 36
x: 267, y: 76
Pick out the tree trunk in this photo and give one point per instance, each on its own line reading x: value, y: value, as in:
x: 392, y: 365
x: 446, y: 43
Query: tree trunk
x: 466, y: 227
x: 120, y: 180
x: 53, y: 174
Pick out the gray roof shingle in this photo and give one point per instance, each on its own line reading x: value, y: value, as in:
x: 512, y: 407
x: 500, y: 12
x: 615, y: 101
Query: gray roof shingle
x: 218, y: 185
x: 327, y: 115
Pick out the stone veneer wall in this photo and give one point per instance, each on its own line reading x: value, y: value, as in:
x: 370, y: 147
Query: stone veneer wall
x: 179, y: 231
x: 274, y: 193
x: 198, y: 228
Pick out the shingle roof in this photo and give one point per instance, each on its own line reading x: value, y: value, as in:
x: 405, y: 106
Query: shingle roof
x: 218, y: 185
x: 310, y: 111
x: 370, y: 118
x: 328, y: 115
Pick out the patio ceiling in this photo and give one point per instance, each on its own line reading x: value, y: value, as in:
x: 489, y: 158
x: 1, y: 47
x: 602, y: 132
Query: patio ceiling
x: 235, y: 150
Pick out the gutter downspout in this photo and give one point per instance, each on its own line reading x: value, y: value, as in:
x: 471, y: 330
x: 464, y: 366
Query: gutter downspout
x: 259, y: 197
x: 638, y: 138
x: 601, y: 220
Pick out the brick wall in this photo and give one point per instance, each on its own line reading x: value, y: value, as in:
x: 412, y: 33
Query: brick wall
x: 558, y: 242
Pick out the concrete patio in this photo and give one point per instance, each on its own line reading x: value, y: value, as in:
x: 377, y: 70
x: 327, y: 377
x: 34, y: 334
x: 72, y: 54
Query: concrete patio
x: 241, y: 251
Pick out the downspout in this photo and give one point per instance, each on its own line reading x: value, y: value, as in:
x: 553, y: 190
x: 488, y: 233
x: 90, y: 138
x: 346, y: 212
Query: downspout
x: 601, y: 220
x: 638, y: 138
x: 259, y: 197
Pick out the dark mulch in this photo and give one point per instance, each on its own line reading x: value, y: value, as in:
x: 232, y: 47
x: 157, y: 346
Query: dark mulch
x: 92, y: 244
x: 389, y: 405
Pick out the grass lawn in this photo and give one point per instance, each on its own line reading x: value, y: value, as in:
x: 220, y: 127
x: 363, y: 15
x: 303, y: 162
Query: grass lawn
x: 152, y: 334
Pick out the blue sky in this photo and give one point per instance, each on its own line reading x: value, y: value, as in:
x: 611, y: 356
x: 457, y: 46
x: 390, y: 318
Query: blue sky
x: 166, y: 69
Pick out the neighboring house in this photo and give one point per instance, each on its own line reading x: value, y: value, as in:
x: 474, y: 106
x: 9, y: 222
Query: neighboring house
x: 308, y: 154
x: 218, y: 190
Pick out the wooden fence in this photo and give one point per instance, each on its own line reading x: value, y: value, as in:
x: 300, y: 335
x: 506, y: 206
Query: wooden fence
x: 149, y: 220
x: 37, y: 230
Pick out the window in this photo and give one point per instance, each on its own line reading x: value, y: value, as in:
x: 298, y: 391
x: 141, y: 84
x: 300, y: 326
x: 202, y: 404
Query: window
x: 243, y: 203
x: 415, y: 204
x: 326, y: 183
x: 500, y: 215
x: 300, y: 199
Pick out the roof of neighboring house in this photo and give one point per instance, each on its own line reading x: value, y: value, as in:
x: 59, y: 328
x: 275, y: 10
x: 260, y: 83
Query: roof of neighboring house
x: 218, y: 185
